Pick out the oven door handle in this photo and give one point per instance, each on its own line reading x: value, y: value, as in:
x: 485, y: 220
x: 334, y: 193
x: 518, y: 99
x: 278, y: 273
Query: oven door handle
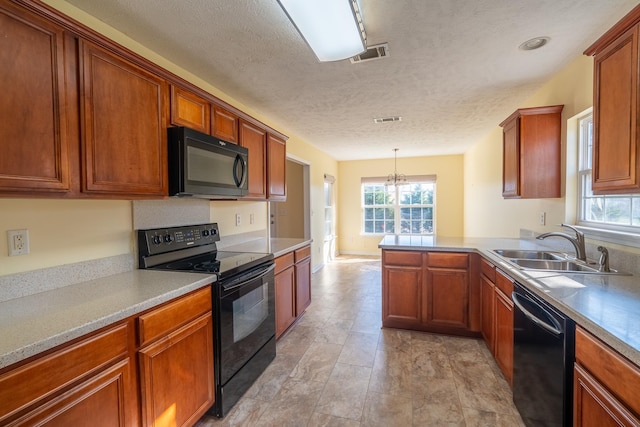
x: 247, y: 277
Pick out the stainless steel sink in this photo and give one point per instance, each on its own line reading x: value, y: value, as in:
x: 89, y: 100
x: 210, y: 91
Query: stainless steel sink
x: 530, y: 254
x: 549, y: 261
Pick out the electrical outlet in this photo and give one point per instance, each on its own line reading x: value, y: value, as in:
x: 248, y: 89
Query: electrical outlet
x: 251, y: 218
x: 18, y: 242
x: 543, y: 218
x: 237, y: 220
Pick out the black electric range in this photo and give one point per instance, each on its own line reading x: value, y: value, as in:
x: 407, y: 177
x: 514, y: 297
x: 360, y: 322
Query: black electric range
x: 243, y: 301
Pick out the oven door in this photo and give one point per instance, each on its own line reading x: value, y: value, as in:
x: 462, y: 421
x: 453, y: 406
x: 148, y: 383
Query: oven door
x: 246, y: 317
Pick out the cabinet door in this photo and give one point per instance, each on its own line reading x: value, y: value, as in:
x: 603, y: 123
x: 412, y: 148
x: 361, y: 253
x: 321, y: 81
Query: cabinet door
x: 402, y: 296
x: 593, y: 405
x: 504, y: 335
x: 276, y: 168
x: 615, y: 143
x: 488, y: 296
x: 101, y: 399
x: 176, y: 375
x: 188, y: 109
x: 33, y: 105
x: 511, y: 159
x: 124, y: 135
x: 255, y: 140
x: 225, y: 124
x: 447, y: 298
x: 303, y: 285
x: 285, y: 299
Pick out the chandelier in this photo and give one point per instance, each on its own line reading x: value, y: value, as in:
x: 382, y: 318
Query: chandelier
x: 395, y: 178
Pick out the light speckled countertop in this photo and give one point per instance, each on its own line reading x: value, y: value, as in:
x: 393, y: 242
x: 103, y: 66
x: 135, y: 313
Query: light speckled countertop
x: 35, y: 323
x: 277, y: 247
x: 608, y: 306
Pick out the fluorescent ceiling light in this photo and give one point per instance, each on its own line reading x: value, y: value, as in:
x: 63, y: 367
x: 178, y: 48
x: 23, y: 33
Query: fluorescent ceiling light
x: 333, y: 29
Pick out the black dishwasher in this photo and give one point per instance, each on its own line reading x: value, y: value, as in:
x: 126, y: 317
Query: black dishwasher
x: 543, y: 354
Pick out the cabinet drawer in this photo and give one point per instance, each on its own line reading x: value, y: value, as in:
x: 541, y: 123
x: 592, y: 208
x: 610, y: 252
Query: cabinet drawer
x: 302, y: 253
x: 448, y: 260
x: 402, y: 258
x: 283, y: 262
x: 173, y: 315
x: 42, y: 377
x: 616, y: 373
x: 504, y: 283
x: 488, y: 269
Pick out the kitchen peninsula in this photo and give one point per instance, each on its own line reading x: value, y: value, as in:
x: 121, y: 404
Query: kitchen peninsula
x: 419, y: 273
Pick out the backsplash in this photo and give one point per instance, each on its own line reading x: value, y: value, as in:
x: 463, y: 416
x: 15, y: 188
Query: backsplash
x: 46, y: 279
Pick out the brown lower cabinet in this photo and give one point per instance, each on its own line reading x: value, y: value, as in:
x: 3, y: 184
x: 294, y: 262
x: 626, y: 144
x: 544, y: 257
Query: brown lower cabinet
x: 430, y: 291
x: 497, y: 316
x: 292, y: 287
x: 95, y: 381
x: 504, y: 325
x: 604, y: 385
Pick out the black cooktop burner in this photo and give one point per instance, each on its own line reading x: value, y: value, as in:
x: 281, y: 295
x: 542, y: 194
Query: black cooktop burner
x: 223, y: 263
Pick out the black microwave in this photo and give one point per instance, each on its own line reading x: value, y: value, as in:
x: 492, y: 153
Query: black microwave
x: 201, y: 165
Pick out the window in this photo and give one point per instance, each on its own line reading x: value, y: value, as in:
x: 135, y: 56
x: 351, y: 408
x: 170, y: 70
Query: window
x: 404, y: 209
x: 619, y: 211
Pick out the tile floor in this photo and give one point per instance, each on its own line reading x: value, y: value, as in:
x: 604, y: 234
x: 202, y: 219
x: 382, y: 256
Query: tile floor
x: 337, y: 367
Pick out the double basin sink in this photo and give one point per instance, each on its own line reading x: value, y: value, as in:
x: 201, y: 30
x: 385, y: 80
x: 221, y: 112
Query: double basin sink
x: 550, y: 261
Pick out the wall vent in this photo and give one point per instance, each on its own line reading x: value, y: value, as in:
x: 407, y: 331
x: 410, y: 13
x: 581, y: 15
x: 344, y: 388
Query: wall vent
x: 378, y: 51
x: 387, y: 119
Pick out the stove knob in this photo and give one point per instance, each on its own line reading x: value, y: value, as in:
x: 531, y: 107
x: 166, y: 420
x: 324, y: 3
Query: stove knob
x: 205, y: 233
x: 168, y: 238
x: 214, y: 231
x: 156, y: 240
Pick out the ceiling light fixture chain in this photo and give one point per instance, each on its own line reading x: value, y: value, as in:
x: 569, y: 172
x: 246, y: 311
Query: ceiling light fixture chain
x: 395, y: 178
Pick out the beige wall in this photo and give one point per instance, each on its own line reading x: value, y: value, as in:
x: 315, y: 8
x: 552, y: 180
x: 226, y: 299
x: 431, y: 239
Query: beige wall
x: 289, y: 214
x: 449, y: 197
x: 320, y: 163
x: 487, y: 214
x: 64, y: 231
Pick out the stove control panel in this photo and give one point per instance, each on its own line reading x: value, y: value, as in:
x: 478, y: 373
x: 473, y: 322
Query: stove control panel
x: 160, y: 240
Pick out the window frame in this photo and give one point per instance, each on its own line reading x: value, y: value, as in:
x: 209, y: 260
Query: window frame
x: 396, y: 205
x: 584, y: 172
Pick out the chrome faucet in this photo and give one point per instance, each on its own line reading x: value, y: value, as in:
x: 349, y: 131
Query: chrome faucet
x: 603, y: 263
x: 577, y: 242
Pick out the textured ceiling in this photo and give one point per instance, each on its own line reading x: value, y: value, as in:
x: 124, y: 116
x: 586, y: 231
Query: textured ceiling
x: 453, y: 73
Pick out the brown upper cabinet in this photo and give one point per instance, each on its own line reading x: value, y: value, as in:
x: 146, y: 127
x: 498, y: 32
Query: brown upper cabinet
x: 196, y: 112
x: 276, y: 168
x: 35, y: 144
x: 254, y: 139
x: 225, y: 124
x: 190, y: 110
x: 531, y: 153
x: 616, y: 161
x: 124, y: 135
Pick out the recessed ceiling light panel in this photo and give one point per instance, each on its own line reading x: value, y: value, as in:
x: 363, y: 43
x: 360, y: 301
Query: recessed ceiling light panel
x: 534, y: 43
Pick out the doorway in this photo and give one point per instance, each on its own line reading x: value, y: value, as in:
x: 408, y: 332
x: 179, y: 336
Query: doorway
x: 292, y: 218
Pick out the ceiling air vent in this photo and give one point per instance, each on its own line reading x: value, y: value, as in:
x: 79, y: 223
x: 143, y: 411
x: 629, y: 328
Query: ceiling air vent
x: 378, y: 51
x: 387, y: 119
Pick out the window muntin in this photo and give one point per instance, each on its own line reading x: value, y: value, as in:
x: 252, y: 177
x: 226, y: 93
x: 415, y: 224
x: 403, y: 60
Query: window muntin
x: 405, y: 209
